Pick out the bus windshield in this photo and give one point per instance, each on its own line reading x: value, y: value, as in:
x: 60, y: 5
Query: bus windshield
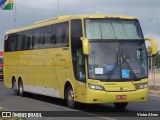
x: 117, y: 50
x: 113, y: 29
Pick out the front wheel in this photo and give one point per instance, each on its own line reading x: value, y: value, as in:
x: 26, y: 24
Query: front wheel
x: 121, y: 106
x: 70, y: 97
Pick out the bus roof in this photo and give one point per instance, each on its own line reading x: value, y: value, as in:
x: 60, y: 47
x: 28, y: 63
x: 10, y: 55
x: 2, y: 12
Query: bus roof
x: 67, y: 17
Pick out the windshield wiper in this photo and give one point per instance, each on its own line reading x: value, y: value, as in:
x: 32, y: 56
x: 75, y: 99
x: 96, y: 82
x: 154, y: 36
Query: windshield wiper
x: 130, y: 68
x: 124, y: 60
x: 113, y: 69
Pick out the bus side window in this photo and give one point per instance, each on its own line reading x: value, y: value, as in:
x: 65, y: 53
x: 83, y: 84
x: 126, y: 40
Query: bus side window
x: 23, y: 41
x: 13, y: 42
x: 62, y: 34
x: 19, y: 41
x: 53, y: 35
x: 36, y: 39
x: 80, y: 64
x: 48, y: 37
x: 6, y: 45
x: 26, y: 41
x: 29, y: 41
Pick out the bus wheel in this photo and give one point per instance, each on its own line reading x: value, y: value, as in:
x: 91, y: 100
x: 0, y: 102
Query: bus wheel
x: 70, y: 97
x: 120, y: 106
x: 14, y: 87
x: 20, y: 88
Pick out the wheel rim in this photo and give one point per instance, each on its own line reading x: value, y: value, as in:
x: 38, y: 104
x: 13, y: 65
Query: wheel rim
x: 15, y: 88
x: 70, y: 96
x: 20, y: 89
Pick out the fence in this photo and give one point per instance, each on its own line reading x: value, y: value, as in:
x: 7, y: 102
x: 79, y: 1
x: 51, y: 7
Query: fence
x: 154, y: 78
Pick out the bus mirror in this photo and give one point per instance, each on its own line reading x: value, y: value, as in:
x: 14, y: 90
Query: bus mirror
x: 154, y: 46
x: 85, y: 45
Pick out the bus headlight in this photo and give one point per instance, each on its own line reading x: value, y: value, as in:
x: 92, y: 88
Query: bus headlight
x: 144, y: 85
x: 96, y: 87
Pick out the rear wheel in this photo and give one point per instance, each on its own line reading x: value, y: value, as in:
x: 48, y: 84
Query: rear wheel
x: 70, y: 97
x: 121, y: 106
x: 20, y: 88
x: 14, y: 87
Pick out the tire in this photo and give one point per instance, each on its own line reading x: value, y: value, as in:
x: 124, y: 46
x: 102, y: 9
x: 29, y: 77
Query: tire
x: 20, y: 89
x: 14, y: 87
x: 70, y: 97
x: 121, y: 106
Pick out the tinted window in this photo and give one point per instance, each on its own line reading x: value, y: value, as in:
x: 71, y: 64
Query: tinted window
x: 23, y: 40
x: 27, y: 40
x: 62, y: 34
x: 56, y: 35
x: 19, y: 41
x: 77, y: 55
x: 36, y: 38
x: 10, y: 42
x: 48, y: 41
x: 6, y: 43
x: 13, y: 40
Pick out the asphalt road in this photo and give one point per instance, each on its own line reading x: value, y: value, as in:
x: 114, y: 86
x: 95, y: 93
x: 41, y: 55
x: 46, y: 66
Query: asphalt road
x: 34, y: 102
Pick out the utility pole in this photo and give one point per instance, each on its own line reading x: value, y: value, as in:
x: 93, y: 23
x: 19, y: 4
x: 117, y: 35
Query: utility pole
x: 15, y: 14
x: 58, y: 9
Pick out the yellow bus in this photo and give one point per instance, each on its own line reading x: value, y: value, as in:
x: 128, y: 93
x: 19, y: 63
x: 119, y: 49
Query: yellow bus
x: 82, y: 58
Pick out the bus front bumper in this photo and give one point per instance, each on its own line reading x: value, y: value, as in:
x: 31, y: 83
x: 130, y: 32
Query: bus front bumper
x: 97, y: 96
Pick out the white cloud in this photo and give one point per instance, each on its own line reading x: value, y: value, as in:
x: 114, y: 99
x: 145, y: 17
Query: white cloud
x: 30, y: 11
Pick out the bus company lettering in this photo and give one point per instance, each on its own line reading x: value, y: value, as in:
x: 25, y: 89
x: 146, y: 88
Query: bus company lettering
x: 26, y: 114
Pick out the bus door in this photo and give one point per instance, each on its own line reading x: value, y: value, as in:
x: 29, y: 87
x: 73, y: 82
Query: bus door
x: 81, y: 83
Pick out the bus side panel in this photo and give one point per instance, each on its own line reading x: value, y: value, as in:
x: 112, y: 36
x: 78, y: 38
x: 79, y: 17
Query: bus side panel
x: 63, y: 67
x: 41, y: 73
x: 36, y: 70
x: 9, y: 69
x: 43, y: 76
x: 7, y: 77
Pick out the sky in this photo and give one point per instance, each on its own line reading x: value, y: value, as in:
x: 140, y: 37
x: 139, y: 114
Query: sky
x: 31, y: 11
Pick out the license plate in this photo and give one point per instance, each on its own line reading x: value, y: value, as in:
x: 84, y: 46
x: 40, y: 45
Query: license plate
x: 121, y: 97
